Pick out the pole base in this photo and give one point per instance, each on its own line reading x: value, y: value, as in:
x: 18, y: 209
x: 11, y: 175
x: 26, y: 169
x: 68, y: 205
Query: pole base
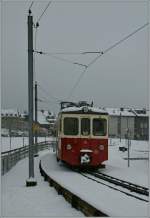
x: 31, y: 182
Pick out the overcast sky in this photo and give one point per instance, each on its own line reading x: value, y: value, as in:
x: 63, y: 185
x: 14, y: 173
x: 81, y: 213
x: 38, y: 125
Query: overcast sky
x: 119, y: 78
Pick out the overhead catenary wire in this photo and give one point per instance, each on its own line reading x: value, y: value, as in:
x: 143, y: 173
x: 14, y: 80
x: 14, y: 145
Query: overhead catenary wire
x: 31, y: 5
x: 44, y: 11
x: 50, y: 54
x: 93, y: 61
x: 35, y: 45
x: 94, y: 1
x: 73, y: 53
x: 55, y: 100
x: 47, y: 93
x: 102, y: 53
x: 38, y: 20
x: 119, y: 42
x: 60, y: 58
x: 46, y: 100
x: 36, y: 31
x: 77, y: 82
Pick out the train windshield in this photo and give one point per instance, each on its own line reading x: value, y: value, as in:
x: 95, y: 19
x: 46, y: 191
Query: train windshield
x: 71, y: 126
x: 85, y: 126
x: 99, y: 127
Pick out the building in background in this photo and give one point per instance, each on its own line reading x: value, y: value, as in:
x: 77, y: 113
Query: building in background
x: 15, y: 123
x: 135, y: 120
x: 120, y: 119
x: 47, y: 120
x: 141, y: 125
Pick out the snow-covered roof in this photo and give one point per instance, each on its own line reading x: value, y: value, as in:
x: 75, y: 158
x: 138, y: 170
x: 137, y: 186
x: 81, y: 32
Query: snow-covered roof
x: 46, y: 113
x: 90, y: 109
x: 131, y: 112
x: 45, y: 116
x: 42, y: 118
x: 141, y: 112
x: 52, y: 120
x: 10, y: 112
x: 119, y: 112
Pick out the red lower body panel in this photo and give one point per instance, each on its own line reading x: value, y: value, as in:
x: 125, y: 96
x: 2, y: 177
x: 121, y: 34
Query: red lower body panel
x: 83, y: 151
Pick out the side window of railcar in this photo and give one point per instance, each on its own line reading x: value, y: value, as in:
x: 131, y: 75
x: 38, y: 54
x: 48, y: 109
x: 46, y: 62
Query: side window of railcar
x: 85, y: 126
x: 99, y: 127
x: 71, y: 126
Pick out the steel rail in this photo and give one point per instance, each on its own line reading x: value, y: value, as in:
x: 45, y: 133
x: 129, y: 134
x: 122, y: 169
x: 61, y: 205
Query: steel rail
x: 129, y: 194
x: 125, y: 184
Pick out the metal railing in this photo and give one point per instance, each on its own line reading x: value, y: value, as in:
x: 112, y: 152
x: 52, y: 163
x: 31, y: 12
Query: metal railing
x: 11, y: 157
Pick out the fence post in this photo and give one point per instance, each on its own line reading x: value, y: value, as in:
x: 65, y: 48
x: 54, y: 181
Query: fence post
x: 3, y: 166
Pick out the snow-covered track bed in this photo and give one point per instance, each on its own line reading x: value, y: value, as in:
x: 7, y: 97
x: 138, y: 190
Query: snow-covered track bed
x: 72, y: 198
x: 130, y: 187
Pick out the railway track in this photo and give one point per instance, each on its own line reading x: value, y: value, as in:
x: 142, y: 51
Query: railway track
x: 109, y: 181
x: 125, y: 184
x: 101, y: 178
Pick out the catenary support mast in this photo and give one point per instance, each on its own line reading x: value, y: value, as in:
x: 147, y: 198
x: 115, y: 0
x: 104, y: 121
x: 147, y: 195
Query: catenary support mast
x: 31, y: 181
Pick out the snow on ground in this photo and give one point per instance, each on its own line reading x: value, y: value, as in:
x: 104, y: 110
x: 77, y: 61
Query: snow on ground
x: 17, y: 142
x: 18, y: 200
x: 117, y: 166
x: 113, y: 203
x: 39, y: 201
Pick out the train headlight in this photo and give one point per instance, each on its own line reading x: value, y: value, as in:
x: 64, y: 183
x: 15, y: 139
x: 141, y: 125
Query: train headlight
x: 68, y: 147
x: 101, y: 147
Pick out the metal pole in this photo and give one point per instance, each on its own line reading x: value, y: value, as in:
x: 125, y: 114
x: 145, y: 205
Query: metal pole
x: 23, y: 139
x: 120, y: 126
x: 9, y: 157
x: 10, y: 134
x: 31, y: 181
x: 128, y: 150
x: 36, y: 106
x: 23, y: 133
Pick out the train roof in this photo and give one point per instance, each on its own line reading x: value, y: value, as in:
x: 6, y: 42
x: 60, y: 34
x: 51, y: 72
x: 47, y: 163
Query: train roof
x: 84, y: 110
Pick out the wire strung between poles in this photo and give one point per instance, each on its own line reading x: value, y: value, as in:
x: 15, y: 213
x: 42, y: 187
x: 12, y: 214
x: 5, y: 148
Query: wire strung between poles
x: 102, y: 53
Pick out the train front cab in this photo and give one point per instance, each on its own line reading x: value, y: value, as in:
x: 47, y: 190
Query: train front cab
x: 83, y: 139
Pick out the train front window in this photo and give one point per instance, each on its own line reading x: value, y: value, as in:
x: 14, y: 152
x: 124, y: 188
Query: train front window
x: 71, y: 126
x: 85, y: 126
x: 99, y: 127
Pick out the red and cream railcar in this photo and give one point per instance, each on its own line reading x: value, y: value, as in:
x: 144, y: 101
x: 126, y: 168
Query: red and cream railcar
x: 82, y: 136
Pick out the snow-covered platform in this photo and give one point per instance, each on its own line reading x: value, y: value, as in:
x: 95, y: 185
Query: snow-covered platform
x: 110, y: 202
x: 39, y: 201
